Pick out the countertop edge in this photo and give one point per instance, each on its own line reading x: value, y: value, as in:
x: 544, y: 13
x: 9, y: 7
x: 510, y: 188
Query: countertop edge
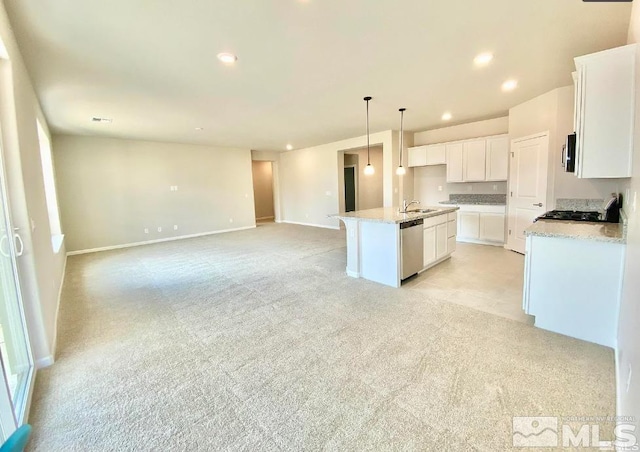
x: 408, y: 217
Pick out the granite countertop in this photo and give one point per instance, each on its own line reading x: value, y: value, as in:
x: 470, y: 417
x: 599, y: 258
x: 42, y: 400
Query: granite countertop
x: 583, y: 230
x: 391, y: 215
x: 474, y: 203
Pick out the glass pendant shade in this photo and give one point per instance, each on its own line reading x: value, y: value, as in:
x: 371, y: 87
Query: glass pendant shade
x: 369, y: 170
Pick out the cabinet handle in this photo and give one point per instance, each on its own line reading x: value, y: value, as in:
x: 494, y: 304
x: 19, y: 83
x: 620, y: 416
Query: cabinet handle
x: 539, y: 204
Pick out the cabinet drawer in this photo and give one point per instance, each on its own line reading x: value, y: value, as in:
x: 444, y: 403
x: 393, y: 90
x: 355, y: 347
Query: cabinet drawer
x: 452, y: 228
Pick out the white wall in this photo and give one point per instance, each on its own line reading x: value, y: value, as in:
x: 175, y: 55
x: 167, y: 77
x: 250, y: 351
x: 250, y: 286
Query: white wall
x: 263, y: 189
x: 41, y: 269
x: 629, y: 330
x: 475, y: 129
x: 110, y: 190
x: 310, y: 182
x: 428, y: 179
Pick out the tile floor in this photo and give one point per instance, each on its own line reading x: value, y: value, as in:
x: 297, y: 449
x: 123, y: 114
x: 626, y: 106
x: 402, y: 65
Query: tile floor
x: 486, y: 278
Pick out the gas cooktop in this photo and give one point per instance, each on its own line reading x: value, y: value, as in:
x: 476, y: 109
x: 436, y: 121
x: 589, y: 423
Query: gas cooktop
x: 572, y: 215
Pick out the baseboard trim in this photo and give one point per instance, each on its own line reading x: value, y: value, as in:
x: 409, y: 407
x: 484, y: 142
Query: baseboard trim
x: 480, y: 242
x: 44, y: 362
x: 150, y: 242
x: 335, y: 228
x: 264, y: 218
x: 616, y: 357
x: 353, y: 274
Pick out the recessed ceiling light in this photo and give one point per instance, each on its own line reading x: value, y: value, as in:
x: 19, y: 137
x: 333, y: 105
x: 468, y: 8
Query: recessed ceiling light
x: 227, y: 58
x: 96, y: 119
x: 509, y: 85
x: 447, y: 116
x: 289, y: 147
x: 483, y: 59
x: 199, y: 128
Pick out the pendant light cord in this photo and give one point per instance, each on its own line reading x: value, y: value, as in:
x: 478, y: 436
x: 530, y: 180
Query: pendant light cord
x: 367, y: 99
x: 401, y: 133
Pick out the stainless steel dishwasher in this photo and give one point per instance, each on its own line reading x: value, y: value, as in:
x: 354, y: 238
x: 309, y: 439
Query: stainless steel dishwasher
x: 411, y: 239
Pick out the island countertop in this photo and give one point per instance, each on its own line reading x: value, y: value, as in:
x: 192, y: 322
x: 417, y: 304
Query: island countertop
x: 391, y: 215
x: 600, y: 232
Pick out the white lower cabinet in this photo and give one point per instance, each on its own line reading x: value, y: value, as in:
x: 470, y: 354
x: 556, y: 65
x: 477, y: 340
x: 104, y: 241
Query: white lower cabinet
x: 482, y: 224
x: 429, y: 245
x: 439, y: 238
x: 492, y: 227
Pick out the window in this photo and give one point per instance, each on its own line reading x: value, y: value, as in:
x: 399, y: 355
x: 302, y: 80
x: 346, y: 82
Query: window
x: 50, y: 188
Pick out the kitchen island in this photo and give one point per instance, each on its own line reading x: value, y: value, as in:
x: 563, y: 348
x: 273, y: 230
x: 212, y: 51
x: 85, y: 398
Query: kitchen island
x: 375, y: 245
x: 573, y: 278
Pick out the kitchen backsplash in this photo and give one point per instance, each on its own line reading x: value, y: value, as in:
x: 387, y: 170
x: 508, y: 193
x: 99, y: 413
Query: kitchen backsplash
x: 477, y: 198
x: 580, y: 204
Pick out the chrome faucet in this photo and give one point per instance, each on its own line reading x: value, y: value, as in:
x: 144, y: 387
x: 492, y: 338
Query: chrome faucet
x: 406, y: 205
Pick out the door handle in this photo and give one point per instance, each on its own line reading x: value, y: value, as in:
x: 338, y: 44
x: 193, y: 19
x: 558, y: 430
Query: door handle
x: 539, y: 204
x: 19, y: 244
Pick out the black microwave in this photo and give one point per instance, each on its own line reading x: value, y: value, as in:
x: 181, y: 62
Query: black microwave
x: 569, y: 154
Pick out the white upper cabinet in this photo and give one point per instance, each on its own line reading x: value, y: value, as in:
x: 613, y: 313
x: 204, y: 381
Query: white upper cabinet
x: 604, y: 116
x: 497, y: 162
x: 432, y: 154
x: 454, y: 162
x: 417, y: 156
x: 474, y: 160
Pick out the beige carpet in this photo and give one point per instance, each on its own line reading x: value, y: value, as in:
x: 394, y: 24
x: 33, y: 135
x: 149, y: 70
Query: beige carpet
x: 257, y: 341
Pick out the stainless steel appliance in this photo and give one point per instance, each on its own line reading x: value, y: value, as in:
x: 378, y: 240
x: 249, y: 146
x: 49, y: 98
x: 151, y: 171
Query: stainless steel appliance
x: 411, y: 244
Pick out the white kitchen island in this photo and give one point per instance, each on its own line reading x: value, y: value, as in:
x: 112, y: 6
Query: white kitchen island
x: 374, y: 248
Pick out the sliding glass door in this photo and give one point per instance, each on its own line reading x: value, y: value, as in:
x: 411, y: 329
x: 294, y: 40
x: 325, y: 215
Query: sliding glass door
x: 17, y: 362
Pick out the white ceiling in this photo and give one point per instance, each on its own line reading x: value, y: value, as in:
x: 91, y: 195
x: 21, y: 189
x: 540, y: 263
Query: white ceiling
x: 304, y: 66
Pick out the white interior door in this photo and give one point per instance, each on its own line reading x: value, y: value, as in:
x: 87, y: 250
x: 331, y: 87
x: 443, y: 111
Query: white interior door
x: 527, y: 186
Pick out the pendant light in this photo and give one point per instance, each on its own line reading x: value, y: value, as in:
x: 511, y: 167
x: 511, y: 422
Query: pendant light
x: 401, y: 171
x: 368, y: 170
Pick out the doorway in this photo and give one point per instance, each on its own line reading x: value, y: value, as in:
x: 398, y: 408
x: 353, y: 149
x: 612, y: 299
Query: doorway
x: 263, y: 191
x: 350, y: 188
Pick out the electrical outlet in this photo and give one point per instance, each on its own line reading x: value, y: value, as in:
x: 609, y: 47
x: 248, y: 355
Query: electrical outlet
x: 328, y: 193
x: 159, y: 229
x: 439, y: 187
x: 146, y: 230
x: 495, y: 187
x: 246, y: 195
x: 629, y: 378
x: 230, y: 220
x: 175, y: 227
x: 627, y: 200
x: 634, y: 201
x: 306, y: 215
x: 469, y: 187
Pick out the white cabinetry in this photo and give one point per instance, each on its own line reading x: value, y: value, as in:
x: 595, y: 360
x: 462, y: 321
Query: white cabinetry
x: 604, y: 113
x: 492, y: 227
x: 497, y: 162
x: 586, y: 310
x: 481, y: 224
x: 454, y: 162
x: 437, y: 238
x: 474, y: 160
x: 477, y: 160
x: 433, y: 154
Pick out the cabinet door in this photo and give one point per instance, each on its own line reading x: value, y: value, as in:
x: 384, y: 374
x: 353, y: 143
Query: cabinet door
x: 429, y: 245
x: 497, y: 160
x: 492, y: 227
x: 607, y: 82
x: 436, y: 154
x: 474, y: 160
x: 441, y: 240
x: 454, y: 162
x: 417, y: 156
x: 469, y: 225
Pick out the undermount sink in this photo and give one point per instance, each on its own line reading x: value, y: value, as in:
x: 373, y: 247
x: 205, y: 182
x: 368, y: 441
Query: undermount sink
x: 420, y: 210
